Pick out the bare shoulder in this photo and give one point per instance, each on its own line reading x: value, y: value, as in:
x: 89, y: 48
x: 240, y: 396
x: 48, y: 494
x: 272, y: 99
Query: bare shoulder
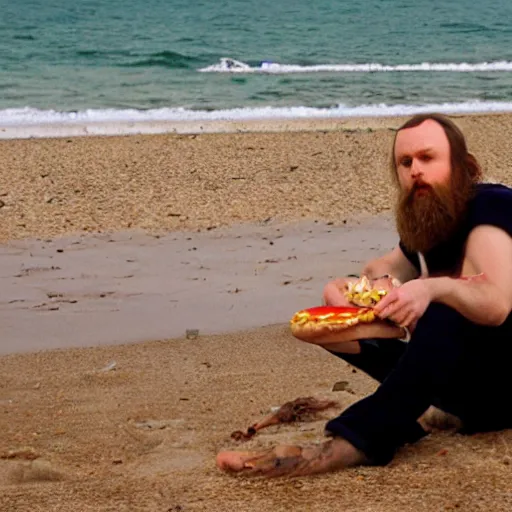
x: 489, y: 251
x: 394, y: 262
x: 491, y: 243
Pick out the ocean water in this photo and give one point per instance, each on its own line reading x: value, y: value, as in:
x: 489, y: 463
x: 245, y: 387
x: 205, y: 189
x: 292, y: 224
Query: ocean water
x: 109, y: 61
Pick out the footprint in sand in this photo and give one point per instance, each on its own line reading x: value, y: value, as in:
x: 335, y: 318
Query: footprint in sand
x: 16, y: 472
x: 33, y: 270
x: 168, y: 453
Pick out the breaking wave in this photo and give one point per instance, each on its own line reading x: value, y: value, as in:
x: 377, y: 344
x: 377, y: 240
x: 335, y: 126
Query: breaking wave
x: 229, y: 65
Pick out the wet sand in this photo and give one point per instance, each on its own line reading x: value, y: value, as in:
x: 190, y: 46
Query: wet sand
x: 133, y: 286
x: 113, y: 247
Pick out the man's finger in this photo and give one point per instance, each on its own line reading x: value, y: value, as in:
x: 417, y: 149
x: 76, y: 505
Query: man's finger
x: 400, y: 318
x: 385, y: 302
x: 390, y: 310
x: 411, y: 317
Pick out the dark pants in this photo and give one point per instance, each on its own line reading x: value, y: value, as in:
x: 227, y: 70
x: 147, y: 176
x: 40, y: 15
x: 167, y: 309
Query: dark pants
x: 450, y: 362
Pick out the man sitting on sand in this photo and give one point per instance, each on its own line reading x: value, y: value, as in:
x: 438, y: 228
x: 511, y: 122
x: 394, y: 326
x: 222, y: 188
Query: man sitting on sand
x: 454, y: 259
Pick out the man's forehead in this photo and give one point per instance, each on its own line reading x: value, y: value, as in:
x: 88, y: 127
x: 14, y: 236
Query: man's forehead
x: 427, y: 135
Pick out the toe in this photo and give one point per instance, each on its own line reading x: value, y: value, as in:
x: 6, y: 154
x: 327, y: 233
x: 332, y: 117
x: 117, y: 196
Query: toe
x: 233, y: 460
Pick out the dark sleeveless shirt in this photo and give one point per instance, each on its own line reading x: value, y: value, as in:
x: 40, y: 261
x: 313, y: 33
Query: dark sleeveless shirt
x: 492, y: 204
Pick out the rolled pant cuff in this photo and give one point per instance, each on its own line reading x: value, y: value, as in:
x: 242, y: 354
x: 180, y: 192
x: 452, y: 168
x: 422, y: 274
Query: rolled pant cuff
x: 378, y: 453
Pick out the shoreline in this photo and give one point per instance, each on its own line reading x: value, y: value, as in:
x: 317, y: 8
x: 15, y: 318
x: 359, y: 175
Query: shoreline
x: 207, y: 126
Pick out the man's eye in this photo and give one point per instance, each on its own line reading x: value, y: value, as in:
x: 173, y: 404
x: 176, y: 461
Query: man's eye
x: 426, y: 158
x: 406, y: 162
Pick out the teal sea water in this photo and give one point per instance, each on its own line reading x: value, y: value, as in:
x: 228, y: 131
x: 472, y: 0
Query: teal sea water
x: 158, y: 60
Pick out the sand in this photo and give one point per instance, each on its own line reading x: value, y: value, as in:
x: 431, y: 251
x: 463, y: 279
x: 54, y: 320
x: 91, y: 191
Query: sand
x: 113, y: 247
x: 52, y: 187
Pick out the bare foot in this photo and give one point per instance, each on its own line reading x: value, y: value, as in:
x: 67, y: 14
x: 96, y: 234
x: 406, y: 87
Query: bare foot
x: 436, y: 419
x: 289, y: 460
x: 295, y: 410
x: 239, y: 460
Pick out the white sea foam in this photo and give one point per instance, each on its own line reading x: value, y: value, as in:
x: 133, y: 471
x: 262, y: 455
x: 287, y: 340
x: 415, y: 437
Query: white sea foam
x: 29, y: 122
x: 228, y: 65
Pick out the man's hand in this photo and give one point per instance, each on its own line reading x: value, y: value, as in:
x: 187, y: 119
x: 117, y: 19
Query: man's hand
x: 334, y: 292
x: 405, y: 305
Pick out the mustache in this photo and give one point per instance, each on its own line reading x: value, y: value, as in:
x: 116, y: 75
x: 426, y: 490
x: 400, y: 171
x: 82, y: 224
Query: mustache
x: 439, y: 196
x: 420, y: 184
x: 410, y: 195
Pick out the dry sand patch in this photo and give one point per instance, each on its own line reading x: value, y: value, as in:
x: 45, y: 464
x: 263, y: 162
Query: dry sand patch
x: 144, y: 435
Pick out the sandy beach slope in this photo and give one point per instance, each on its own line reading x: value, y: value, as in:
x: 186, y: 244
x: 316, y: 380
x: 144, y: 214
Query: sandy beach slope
x: 51, y: 187
x: 113, y: 247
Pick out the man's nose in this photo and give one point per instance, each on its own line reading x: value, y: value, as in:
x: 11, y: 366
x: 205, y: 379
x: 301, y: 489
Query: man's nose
x: 416, y: 169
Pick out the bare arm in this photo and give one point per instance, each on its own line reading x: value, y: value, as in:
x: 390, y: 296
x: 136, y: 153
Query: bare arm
x: 484, y: 301
x: 394, y: 263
